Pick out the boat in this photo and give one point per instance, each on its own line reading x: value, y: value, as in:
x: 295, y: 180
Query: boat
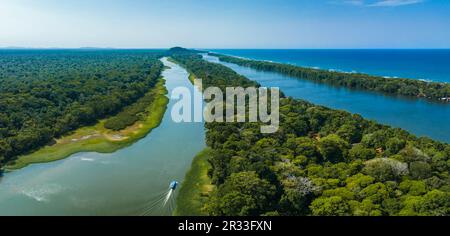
x: 173, y: 185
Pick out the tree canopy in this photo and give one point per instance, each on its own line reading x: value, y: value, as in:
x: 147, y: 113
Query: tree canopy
x: 47, y: 93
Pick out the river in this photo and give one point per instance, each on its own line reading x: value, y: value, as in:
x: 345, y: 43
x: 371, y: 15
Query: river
x: 129, y: 181
x: 420, y: 117
x: 126, y: 182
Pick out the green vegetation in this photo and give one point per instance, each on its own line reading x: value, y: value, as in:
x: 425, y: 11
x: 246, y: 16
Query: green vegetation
x: 196, y: 187
x: 97, y: 138
x: 180, y: 50
x: 320, y: 162
x: 404, y: 87
x: 191, y: 75
x: 47, y: 94
x: 131, y: 114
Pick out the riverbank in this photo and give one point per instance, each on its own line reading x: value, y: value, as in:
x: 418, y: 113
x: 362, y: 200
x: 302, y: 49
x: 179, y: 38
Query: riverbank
x: 191, y: 77
x: 420, y: 117
x: 97, y: 138
x: 196, y: 187
x: 197, y: 184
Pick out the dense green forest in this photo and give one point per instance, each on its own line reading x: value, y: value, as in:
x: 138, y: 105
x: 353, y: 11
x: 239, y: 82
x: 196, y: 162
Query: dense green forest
x: 321, y: 161
x: 48, y: 93
x: 131, y: 114
x: 403, y: 87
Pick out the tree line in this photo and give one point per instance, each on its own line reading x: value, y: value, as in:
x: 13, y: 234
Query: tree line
x: 45, y: 94
x: 394, y: 86
x: 321, y: 162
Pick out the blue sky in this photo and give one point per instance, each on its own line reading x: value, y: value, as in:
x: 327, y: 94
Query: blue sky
x: 226, y: 23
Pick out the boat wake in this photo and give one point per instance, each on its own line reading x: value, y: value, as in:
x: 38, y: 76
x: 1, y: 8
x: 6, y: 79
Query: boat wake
x: 162, y: 204
x: 42, y: 193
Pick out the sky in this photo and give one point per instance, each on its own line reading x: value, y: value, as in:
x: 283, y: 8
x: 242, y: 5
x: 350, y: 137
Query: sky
x: 225, y: 23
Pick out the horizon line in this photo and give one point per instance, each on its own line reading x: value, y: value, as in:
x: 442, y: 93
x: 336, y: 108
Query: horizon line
x: 225, y: 48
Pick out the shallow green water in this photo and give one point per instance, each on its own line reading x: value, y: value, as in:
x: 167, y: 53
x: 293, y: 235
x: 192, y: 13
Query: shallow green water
x: 126, y: 182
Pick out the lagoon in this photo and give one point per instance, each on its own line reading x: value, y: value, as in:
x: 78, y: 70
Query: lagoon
x: 420, y: 117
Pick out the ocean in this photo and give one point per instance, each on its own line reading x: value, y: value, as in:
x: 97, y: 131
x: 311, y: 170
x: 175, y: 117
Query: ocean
x: 423, y: 64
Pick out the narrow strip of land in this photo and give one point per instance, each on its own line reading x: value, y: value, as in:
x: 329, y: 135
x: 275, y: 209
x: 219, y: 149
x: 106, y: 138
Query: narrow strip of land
x: 196, y: 187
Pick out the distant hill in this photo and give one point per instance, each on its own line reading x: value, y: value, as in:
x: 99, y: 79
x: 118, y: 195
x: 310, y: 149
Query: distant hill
x: 180, y: 50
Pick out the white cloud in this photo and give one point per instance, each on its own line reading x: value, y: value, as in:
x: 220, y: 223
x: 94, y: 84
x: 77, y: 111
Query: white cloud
x: 348, y: 2
x: 378, y: 3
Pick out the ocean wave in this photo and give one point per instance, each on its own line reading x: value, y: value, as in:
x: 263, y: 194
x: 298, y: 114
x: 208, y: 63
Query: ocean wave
x: 390, y: 77
x: 340, y: 71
